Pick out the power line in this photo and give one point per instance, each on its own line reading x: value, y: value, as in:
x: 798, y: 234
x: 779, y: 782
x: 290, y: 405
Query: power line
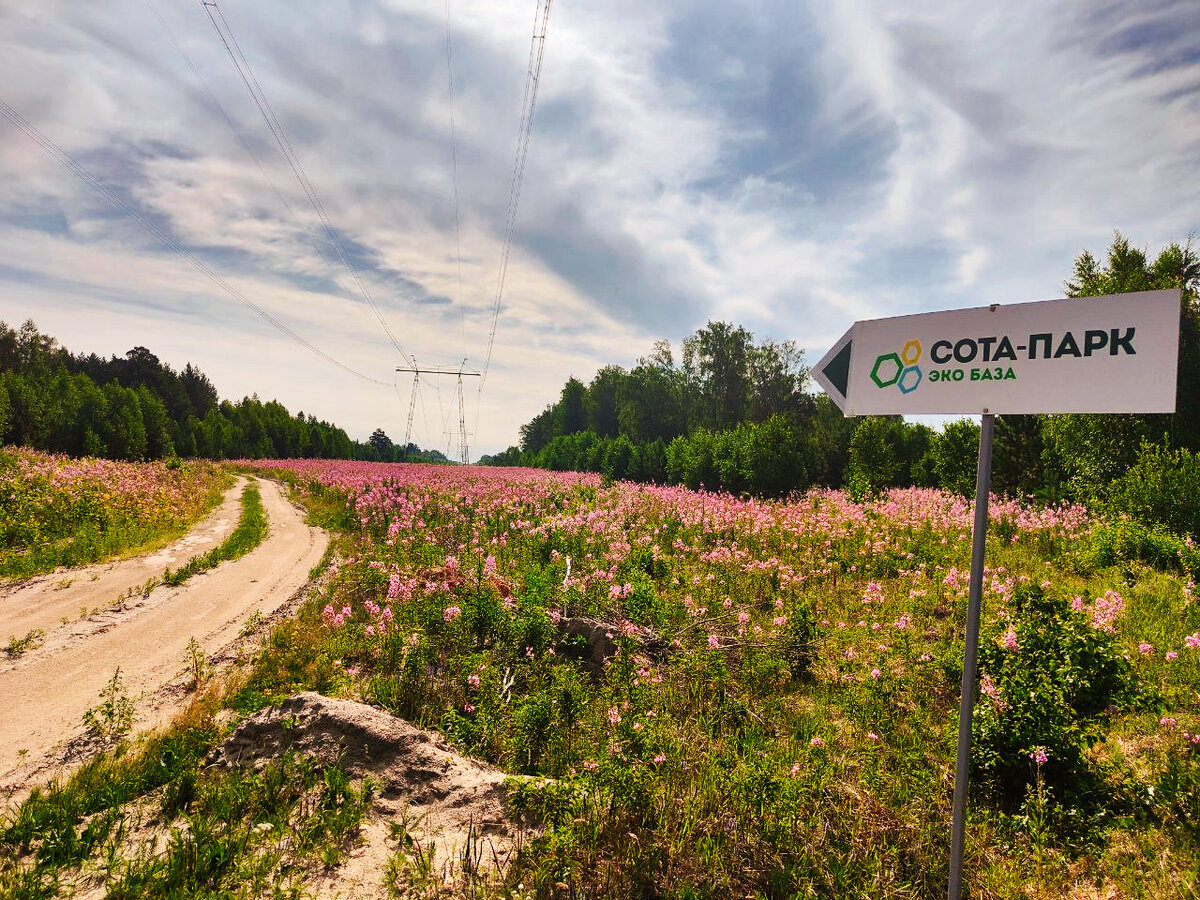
x: 533, y: 74
x: 30, y: 131
x: 215, y: 101
x: 537, y: 48
x: 462, y: 314
x: 246, y: 72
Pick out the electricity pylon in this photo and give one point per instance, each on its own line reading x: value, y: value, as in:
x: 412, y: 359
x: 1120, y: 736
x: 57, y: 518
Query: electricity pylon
x: 460, y: 373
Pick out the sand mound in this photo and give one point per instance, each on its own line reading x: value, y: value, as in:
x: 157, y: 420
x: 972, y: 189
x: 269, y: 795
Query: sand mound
x: 444, y: 799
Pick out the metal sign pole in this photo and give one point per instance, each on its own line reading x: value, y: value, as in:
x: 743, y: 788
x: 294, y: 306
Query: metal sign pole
x: 983, y: 485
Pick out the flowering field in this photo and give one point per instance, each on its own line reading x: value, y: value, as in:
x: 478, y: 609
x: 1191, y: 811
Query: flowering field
x: 55, y: 510
x: 734, y: 695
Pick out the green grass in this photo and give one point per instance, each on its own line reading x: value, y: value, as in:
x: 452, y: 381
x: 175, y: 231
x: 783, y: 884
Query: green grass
x: 237, y: 833
x: 251, y: 531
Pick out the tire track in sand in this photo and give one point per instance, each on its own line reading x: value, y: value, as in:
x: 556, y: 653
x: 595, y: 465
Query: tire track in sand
x: 45, y: 696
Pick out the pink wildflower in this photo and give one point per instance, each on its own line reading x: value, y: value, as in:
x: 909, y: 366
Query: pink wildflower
x: 1106, y: 610
x: 450, y: 613
x: 817, y: 743
x: 1039, y: 755
x: 988, y: 688
x: 714, y: 641
x: 614, y: 717
x: 1009, y: 641
x: 1146, y: 649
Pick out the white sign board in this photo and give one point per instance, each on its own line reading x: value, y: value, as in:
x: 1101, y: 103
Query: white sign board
x: 1115, y: 354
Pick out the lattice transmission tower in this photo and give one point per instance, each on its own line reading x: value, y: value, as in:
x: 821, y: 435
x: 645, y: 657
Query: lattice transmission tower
x: 460, y: 373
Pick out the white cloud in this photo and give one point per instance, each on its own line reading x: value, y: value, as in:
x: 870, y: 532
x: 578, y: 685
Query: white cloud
x: 788, y: 167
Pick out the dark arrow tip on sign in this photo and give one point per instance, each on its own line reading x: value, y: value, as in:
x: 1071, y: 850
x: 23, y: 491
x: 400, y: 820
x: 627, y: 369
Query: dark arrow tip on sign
x: 837, y: 370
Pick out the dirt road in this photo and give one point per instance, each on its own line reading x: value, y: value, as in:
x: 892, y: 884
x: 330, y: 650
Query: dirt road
x: 41, y: 603
x: 45, y: 692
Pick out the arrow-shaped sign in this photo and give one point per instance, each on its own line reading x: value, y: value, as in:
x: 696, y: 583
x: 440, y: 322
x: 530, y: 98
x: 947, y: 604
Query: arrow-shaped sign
x: 1095, y: 354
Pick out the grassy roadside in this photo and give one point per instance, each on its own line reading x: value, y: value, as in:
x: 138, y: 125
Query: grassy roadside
x: 56, y: 511
x: 148, y: 820
x: 251, y: 531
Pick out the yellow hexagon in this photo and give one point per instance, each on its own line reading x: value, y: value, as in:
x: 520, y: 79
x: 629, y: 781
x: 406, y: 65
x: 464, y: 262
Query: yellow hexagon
x: 912, y: 352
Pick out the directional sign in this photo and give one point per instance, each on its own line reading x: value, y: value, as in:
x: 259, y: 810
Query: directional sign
x: 1110, y: 354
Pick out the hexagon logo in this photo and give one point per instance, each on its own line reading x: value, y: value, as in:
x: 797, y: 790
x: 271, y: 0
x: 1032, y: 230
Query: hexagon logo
x: 911, y: 353
x: 883, y: 365
x: 909, y: 379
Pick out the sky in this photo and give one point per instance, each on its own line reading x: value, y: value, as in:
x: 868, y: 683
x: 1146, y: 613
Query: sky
x: 789, y: 166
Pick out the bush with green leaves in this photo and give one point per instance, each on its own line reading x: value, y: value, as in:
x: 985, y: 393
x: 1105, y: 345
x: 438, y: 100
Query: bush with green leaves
x: 955, y: 456
x: 1050, y: 675
x: 1125, y: 540
x: 873, y: 462
x: 1160, y: 489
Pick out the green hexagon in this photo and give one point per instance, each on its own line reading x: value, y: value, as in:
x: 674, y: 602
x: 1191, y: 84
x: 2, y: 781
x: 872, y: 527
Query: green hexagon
x: 893, y: 358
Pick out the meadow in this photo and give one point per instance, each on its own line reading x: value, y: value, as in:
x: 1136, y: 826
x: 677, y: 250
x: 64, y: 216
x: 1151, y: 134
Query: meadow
x: 59, y: 511
x: 719, y: 696
x: 768, y: 702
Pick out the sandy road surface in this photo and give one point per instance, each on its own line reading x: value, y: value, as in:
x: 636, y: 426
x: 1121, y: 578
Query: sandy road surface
x: 45, y: 693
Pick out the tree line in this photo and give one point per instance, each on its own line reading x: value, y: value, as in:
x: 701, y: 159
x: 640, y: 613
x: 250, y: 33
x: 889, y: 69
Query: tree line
x: 738, y: 415
x: 136, y: 407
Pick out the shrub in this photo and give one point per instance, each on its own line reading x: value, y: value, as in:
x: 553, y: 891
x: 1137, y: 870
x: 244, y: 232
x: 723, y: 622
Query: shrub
x: 872, y: 458
x: 1048, y: 677
x: 955, y: 454
x: 1125, y: 540
x: 1160, y: 489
